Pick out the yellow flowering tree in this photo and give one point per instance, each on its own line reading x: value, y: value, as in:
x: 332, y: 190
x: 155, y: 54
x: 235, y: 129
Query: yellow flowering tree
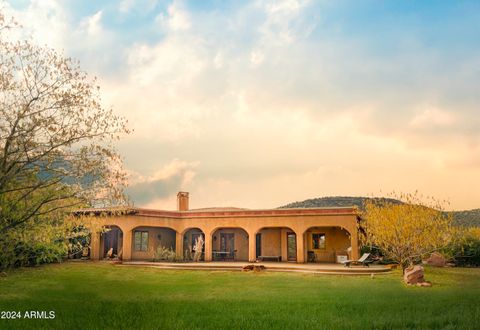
x: 409, y: 231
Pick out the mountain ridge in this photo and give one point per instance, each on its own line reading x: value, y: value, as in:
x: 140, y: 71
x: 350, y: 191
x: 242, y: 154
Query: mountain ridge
x: 465, y: 218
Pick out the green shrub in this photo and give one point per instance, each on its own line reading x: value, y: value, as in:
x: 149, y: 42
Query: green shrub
x: 78, y: 239
x: 25, y: 253
x: 467, y: 253
x: 464, y: 251
x: 165, y: 254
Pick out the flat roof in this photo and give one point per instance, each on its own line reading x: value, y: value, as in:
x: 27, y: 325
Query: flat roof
x: 218, y: 212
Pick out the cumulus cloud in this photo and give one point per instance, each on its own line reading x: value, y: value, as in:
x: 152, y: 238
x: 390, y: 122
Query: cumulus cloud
x: 272, y: 101
x: 176, y: 18
x: 45, y: 22
x: 92, y: 25
x: 164, y: 182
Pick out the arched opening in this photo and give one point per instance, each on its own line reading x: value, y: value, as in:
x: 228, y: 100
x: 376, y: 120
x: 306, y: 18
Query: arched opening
x: 153, y: 243
x: 327, y: 244
x: 191, y: 241
x: 79, y: 244
x: 230, y: 244
x: 111, y: 243
x: 276, y: 244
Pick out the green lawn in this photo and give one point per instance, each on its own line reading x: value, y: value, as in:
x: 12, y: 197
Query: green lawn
x: 98, y: 295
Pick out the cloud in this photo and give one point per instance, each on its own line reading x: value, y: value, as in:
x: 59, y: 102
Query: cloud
x: 432, y: 117
x: 280, y: 100
x: 164, y: 182
x: 284, y: 22
x: 141, y: 7
x: 44, y: 21
x: 176, y: 19
x: 92, y: 25
x: 126, y: 5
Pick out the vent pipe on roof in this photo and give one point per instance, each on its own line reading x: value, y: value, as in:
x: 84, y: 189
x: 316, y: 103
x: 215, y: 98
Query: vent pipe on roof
x: 182, y: 201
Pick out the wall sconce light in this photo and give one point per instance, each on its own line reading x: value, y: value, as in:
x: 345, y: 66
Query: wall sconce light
x: 214, y: 238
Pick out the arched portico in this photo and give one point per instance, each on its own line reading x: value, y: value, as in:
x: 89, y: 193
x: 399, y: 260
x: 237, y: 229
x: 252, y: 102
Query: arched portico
x: 190, y: 238
x: 244, y: 224
x: 275, y: 244
x: 327, y: 244
x: 230, y: 244
x: 147, y: 239
x: 111, y: 242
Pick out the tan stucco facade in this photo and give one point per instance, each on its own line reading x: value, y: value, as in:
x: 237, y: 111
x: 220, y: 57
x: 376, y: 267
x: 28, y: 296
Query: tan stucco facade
x: 173, y: 229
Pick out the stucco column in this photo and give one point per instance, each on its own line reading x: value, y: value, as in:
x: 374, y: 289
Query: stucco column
x: 127, y: 245
x: 283, y: 243
x: 95, y: 246
x: 252, y: 247
x: 300, y: 247
x: 179, y: 245
x: 208, y: 246
x: 354, y: 244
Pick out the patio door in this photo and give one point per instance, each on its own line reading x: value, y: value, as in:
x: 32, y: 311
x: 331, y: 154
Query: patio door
x: 258, y: 245
x: 110, y: 241
x: 227, y: 242
x: 291, y: 246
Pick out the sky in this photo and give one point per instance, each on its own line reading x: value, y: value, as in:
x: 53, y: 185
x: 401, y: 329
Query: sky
x: 260, y: 103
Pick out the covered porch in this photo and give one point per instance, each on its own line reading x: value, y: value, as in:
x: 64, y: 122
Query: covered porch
x: 327, y: 245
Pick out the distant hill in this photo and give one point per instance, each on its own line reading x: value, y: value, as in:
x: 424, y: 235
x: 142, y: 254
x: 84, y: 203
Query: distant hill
x: 336, y: 201
x: 469, y: 218
x: 463, y: 218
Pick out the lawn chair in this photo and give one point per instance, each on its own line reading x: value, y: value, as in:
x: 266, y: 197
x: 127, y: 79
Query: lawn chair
x: 364, y: 261
x: 85, y: 253
x: 110, y: 253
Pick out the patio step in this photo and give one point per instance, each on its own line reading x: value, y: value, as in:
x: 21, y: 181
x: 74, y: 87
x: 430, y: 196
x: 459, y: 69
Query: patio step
x: 270, y: 268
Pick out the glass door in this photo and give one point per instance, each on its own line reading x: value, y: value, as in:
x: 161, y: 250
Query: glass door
x: 227, y: 242
x: 258, y: 242
x: 291, y: 246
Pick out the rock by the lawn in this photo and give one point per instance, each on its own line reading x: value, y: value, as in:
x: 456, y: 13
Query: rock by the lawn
x: 256, y: 268
x: 425, y: 284
x: 436, y: 259
x: 413, y: 275
x: 3, y: 274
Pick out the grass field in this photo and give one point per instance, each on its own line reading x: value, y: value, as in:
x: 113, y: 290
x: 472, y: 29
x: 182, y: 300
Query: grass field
x: 98, y: 295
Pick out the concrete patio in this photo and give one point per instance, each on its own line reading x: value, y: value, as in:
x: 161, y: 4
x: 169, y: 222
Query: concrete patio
x: 315, y: 268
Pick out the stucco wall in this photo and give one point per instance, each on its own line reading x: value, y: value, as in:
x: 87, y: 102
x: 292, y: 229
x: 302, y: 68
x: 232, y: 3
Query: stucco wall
x: 240, y: 240
x: 337, y: 241
x: 245, y: 246
x: 166, y: 239
x: 271, y: 242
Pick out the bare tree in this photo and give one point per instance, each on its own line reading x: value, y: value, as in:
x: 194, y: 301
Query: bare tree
x: 56, y: 140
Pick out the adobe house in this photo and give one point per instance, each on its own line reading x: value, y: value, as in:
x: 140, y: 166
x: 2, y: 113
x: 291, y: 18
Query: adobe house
x: 234, y: 234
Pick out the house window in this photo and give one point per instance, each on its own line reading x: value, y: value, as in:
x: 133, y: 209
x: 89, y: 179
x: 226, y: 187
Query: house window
x: 141, y: 240
x: 318, y: 241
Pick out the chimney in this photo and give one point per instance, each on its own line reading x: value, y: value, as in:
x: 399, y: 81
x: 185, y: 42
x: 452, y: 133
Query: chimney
x: 182, y: 201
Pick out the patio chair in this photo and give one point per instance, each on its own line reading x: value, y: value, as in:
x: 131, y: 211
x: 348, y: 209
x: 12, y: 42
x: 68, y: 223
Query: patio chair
x: 85, y: 253
x: 110, y: 253
x: 311, y: 256
x: 364, y: 261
